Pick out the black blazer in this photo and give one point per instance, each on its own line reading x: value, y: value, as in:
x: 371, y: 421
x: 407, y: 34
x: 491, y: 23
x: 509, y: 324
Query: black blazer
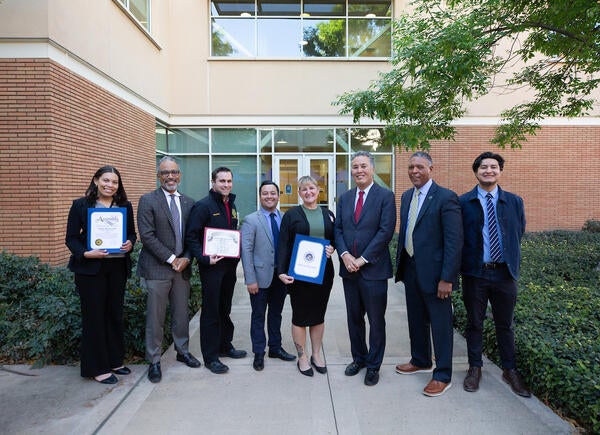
x: 76, y: 238
x: 437, y: 238
x: 370, y: 236
x: 294, y: 222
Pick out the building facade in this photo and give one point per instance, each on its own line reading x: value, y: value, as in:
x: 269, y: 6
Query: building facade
x: 246, y: 84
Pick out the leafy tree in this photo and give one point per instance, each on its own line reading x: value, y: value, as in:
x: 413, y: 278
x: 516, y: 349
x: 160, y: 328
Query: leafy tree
x: 447, y: 55
x: 326, y: 38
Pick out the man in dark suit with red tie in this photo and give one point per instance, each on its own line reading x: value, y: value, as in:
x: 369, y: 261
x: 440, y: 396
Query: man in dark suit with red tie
x: 428, y: 260
x: 164, y: 265
x: 494, y: 222
x: 364, y: 226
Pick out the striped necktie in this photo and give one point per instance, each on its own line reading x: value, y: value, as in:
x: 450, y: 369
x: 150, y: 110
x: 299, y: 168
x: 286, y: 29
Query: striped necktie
x: 412, y: 217
x: 495, y: 252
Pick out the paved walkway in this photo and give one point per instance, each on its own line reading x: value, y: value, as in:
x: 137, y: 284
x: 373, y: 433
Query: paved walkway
x: 278, y: 400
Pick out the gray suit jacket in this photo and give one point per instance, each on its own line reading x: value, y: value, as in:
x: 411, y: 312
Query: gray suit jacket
x: 157, y: 235
x: 258, y: 251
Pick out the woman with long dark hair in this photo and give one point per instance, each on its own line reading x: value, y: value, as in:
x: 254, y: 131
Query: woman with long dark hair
x: 100, y: 279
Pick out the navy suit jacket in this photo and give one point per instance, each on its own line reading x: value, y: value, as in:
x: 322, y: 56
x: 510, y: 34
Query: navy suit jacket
x: 511, y: 217
x: 77, y: 233
x: 157, y: 234
x: 370, y: 236
x: 437, y: 238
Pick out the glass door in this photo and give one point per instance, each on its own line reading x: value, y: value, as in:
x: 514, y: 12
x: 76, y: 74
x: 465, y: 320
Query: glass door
x: 288, y: 168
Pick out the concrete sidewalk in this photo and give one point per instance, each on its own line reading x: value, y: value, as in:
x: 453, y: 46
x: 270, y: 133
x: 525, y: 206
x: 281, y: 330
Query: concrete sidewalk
x: 277, y: 400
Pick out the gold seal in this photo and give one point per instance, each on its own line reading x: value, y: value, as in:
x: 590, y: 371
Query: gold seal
x: 98, y: 242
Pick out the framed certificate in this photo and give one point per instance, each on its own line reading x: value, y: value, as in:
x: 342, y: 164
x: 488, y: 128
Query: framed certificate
x: 218, y: 241
x: 107, y: 228
x: 308, y: 259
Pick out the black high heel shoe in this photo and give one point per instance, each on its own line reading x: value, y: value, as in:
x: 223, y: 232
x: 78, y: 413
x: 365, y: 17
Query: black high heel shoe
x: 122, y: 371
x: 307, y: 372
x: 319, y: 369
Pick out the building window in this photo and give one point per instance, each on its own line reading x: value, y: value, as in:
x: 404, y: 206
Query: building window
x: 140, y: 9
x: 277, y: 153
x: 293, y: 29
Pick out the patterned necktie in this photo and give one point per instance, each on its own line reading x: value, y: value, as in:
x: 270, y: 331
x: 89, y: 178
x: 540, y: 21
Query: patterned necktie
x: 228, y: 212
x: 275, y: 230
x: 495, y: 253
x: 177, y: 224
x: 359, y: 205
x: 412, y: 217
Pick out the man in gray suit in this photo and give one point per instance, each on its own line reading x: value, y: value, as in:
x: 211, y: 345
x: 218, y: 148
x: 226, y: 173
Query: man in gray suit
x: 260, y: 234
x: 163, y: 265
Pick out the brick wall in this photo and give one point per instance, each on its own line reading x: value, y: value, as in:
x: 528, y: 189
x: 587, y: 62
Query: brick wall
x: 56, y: 130
x: 554, y: 172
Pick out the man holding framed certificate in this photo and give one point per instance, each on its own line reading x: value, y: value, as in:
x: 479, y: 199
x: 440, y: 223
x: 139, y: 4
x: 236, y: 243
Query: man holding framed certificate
x: 214, y: 241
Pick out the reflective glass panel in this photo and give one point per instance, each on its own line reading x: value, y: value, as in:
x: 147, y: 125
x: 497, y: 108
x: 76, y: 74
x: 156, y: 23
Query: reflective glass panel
x: 319, y: 170
x: 279, y: 37
x: 161, y: 138
x: 266, y: 141
x: 308, y: 140
x: 324, y: 38
x: 234, y: 140
x: 266, y: 168
x: 341, y: 140
x: 369, y: 38
x: 368, y: 139
x: 232, y: 7
x: 140, y: 10
x: 195, y: 177
x: 233, y: 37
x: 383, y: 170
x: 325, y: 7
x: 380, y: 8
x: 243, y: 169
x: 187, y: 140
x: 288, y: 183
x: 282, y: 7
x: 342, y: 182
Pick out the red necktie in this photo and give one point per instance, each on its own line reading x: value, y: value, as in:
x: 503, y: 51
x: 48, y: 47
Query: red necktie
x: 228, y: 211
x: 359, y: 205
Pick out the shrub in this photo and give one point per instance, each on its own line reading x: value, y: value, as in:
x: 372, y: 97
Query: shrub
x: 557, y: 323
x: 591, y: 226
x: 40, y: 318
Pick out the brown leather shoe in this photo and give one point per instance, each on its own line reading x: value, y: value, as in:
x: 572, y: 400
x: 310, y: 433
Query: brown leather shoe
x: 471, y: 382
x: 409, y: 369
x: 512, y: 378
x: 436, y: 388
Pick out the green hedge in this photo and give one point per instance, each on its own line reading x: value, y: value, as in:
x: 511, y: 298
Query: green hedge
x: 40, y: 320
x: 557, y: 322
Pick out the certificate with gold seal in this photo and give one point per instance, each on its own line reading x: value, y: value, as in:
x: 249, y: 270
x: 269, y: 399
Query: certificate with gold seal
x: 107, y: 228
x: 218, y: 241
x: 308, y: 259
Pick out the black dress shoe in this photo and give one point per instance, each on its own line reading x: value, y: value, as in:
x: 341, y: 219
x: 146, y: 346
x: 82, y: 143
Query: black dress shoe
x: 234, y: 353
x: 319, y: 369
x: 512, y: 378
x: 122, y: 371
x: 112, y: 379
x: 154, y: 373
x: 353, y: 368
x: 371, y: 377
x: 188, y: 359
x: 217, y: 367
x: 471, y: 382
x: 259, y: 361
x: 307, y: 372
x: 282, y: 355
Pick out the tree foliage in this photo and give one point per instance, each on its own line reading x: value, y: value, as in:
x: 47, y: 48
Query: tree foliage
x: 445, y: 56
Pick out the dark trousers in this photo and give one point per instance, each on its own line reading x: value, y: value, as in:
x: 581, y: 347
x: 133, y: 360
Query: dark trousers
x: 216, y: 327
x: 370, y: 298
x: 428, y: 316
x: 500, y: 289
x: 101, y: 297
x: 272, y: 297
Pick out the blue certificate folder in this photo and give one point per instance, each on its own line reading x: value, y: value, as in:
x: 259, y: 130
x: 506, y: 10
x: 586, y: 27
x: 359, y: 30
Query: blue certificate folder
x: 107, y: 228
x: 308, y: 259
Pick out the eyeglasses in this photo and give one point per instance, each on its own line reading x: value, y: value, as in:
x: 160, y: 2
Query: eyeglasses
x: 171, y: 172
